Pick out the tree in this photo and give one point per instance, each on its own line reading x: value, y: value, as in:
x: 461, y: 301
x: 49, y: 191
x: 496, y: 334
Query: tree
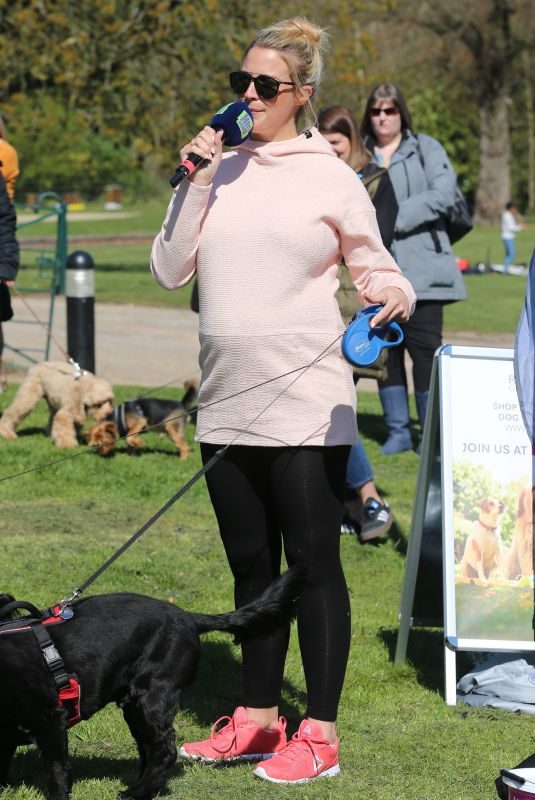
x: 144, y: 74
x: 479, y: 46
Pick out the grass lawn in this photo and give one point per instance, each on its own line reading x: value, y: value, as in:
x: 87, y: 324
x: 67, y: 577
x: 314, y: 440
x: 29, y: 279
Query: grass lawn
x: 399, y: 739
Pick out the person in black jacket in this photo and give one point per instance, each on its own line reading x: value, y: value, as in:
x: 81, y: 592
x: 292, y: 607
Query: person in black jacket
x: 9, y: 261
x: 364, y: 505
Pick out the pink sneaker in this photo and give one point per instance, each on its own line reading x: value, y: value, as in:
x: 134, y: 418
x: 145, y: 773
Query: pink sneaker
x: 239, y: 740
x: 307, y: 756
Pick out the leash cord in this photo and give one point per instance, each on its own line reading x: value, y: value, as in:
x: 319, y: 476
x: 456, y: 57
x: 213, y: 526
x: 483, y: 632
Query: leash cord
x: 219, y: 454
x: 83, y: 586
x: 45, y: 327
x: 190, y: 411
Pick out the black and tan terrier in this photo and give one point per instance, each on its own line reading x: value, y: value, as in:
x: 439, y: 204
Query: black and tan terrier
x: 134, y: 416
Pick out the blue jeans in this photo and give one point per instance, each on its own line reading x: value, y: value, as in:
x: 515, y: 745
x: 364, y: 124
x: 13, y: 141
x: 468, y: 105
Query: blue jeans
x: 510, y: 253
x: 359, y: 470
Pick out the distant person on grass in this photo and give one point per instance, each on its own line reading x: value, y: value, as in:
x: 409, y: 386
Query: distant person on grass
x: 512, y: 223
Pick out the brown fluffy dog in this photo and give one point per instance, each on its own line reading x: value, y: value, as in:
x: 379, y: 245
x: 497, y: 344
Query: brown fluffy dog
x: 519, y: 559
x: 134, y: 416
x: 70, y: 401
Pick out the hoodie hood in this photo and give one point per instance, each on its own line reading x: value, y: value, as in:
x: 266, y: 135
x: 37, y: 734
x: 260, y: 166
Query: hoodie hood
x: 310, y: 141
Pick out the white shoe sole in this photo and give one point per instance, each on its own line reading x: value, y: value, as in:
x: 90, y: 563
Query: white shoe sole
x: 223, y: 760
x: 260, y: 772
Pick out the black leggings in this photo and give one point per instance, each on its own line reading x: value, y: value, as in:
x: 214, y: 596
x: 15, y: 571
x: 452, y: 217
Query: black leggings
x: 257, y: 494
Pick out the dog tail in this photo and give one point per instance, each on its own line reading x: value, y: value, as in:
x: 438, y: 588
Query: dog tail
x: 275, y: 607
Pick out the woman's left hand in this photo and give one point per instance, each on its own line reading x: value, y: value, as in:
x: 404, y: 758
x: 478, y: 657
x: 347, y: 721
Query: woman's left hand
x: 395, y: 307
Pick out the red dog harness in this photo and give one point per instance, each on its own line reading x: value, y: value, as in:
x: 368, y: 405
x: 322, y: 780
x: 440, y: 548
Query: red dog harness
x: 67, y: 685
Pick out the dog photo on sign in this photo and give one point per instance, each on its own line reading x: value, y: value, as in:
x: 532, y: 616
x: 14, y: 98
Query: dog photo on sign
x: 483, y: 556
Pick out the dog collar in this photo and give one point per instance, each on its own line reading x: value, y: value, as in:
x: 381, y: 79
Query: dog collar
x: 118, y: 416
x: 488, y: 527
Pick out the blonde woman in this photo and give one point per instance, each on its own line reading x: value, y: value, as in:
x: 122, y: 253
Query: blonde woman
x: 264, y: 227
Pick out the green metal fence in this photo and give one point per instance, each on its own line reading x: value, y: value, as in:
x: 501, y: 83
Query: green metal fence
x: 42, y: 267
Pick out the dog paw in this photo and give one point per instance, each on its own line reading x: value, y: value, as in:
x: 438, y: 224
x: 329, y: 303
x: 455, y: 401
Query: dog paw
x: 7, y: 434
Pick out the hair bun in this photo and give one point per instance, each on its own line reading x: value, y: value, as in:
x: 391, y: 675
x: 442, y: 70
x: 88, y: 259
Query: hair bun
x: 310, y: 31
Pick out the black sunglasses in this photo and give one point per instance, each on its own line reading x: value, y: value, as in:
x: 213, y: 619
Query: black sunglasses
x: 390, y: 111
x: 266, y: 86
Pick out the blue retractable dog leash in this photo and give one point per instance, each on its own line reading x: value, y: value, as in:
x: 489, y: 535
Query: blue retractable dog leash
x: 362, y: 345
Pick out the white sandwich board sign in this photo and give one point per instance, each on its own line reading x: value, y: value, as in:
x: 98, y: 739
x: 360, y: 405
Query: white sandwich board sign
x: 476, y: 469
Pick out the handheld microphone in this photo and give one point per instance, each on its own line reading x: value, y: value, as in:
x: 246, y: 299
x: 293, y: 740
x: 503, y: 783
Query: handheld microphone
x: 236, y: 122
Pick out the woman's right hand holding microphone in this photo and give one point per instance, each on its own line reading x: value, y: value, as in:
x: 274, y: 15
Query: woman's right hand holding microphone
x: 209, y: 146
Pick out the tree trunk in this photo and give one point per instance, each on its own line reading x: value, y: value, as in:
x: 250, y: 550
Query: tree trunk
x: 494, y: 182
x: 530, y: 116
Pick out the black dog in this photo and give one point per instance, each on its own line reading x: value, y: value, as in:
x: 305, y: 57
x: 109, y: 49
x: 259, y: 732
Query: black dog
x: 127, y: 649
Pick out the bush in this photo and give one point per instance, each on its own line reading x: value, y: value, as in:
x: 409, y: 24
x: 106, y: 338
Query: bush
x: 59, y: 152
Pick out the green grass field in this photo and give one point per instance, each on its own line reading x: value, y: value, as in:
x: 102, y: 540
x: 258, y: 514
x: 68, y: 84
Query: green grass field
x: 398, y: 738
x: 59, y: 523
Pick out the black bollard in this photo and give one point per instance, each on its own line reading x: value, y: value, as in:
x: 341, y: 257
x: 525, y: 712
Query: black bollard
x: 80, y: 294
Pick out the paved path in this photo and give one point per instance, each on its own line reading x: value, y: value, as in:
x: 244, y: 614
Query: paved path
x: 143, y: 345
x: 79, y: 216
x: 147, y: 345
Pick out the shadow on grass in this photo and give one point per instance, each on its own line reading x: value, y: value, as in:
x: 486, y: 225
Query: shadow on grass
x: 372, y: 426
x: 217, y: 689
x: 21, y: 434
x: 398, y: 538
x: 425, y: 652
x: 27, y: 769
x: 136, y: 452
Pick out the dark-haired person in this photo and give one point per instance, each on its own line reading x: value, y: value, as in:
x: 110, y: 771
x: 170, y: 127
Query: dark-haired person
x: 364, y: 504
x: 264, y: 228
x: 424, y: 184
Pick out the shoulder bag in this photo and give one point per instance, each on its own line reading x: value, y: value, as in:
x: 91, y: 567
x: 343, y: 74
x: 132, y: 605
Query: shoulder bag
x: 458, y: 219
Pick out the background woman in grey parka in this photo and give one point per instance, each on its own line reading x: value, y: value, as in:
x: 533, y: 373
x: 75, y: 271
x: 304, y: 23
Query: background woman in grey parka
x: 424, y: 184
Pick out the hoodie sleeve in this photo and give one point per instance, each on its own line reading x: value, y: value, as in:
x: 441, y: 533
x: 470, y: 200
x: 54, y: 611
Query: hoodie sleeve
x: 370, y: 265
x: 174, y: 251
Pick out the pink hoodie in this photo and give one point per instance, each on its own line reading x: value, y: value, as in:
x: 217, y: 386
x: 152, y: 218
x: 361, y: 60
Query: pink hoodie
x: 266, y: 239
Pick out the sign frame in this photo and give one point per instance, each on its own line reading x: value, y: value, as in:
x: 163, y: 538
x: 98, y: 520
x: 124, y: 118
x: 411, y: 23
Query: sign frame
x: 437, y: 446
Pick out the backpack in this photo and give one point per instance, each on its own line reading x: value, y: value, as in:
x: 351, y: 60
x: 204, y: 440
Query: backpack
x: 458, y: 219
